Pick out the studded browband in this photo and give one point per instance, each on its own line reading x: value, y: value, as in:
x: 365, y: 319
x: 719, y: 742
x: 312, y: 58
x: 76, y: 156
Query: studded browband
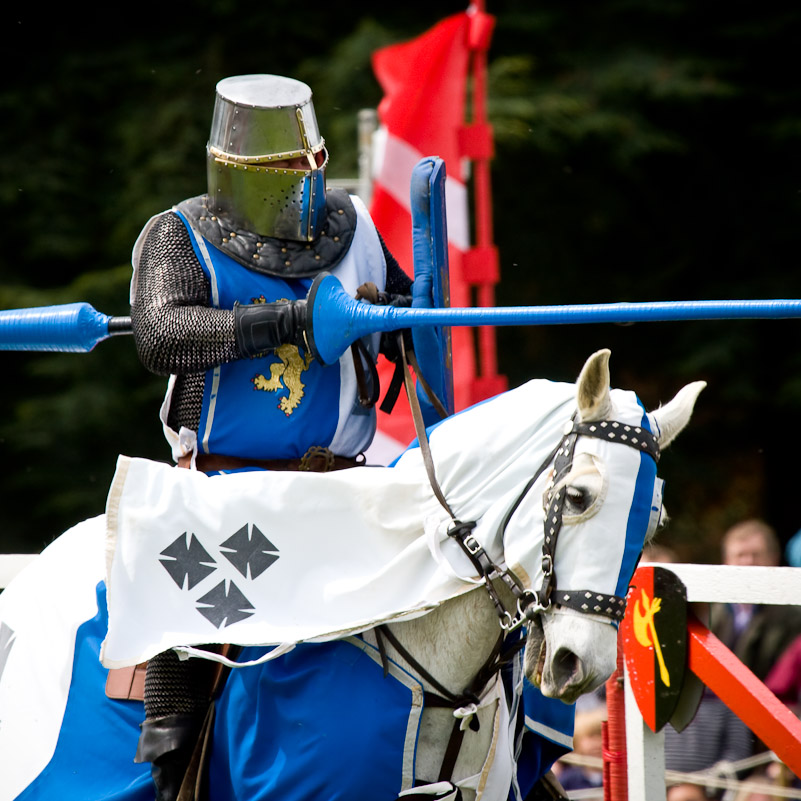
x: 640, y: 439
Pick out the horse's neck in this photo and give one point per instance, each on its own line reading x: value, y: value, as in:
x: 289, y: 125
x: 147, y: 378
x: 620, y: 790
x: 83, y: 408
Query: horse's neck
x: 452, y: 642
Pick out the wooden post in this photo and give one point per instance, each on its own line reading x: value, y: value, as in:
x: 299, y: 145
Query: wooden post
x: 614, y: 735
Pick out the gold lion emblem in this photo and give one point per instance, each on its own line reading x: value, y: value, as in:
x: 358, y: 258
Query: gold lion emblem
x: 290, y: 368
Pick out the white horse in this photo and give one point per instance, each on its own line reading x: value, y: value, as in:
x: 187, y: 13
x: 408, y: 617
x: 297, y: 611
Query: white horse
x: 551, y: 546
x: 568, y: 653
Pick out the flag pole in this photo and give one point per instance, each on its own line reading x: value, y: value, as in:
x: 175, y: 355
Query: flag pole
x: 481, y: 261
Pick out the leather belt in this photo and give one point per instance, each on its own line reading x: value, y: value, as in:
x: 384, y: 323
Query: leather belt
x: 315, y: 460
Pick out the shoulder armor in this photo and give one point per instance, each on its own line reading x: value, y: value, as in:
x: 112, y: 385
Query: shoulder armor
x: 283, y: 258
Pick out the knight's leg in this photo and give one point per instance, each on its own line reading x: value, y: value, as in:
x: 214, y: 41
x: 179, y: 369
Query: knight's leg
x: 177, y: 696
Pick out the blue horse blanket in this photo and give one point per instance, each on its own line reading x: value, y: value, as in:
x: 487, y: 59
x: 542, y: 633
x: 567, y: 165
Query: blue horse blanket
x: 320, y: 722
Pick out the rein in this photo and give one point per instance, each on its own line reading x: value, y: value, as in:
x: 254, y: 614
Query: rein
x: 461, y: 532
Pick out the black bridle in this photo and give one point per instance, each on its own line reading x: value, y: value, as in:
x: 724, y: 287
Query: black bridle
x: 586, y: 601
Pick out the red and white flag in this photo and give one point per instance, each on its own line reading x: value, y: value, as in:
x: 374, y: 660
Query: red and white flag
x: 422, y: 112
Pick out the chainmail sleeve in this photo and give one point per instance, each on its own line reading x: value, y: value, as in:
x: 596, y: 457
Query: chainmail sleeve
x: 175, y: 329
x: 397, y: 283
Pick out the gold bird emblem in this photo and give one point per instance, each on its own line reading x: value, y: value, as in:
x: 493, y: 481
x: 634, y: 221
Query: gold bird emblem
x: 645, y: 631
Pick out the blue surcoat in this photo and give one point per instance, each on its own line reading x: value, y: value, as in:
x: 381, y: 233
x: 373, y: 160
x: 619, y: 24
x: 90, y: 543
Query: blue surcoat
x: 278, y: 405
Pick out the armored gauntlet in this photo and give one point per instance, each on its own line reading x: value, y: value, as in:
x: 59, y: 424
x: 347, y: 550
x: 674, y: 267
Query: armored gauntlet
x: 260, y: 327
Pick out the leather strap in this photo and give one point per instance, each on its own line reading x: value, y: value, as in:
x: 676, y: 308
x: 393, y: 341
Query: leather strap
x: 315, y: 460
x: 420, y: 430
x: 193, y: 782
x: 448, y: 699
x: 126, y: 684
x: 369, y: 389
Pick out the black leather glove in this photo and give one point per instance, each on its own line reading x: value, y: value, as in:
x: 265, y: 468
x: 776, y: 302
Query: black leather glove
x: 261, y: 327
x: 389, y: 346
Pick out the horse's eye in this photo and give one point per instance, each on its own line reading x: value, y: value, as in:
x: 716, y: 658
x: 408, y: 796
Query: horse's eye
x: 579, y: 498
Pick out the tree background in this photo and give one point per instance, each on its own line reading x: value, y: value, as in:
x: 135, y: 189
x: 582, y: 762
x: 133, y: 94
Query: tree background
x: 645, y: 150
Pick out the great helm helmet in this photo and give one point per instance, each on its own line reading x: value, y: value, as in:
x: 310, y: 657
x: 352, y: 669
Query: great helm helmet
x: 259, y: 123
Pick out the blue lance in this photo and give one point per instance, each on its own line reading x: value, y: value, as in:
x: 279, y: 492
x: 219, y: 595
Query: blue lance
x: 334, y: 320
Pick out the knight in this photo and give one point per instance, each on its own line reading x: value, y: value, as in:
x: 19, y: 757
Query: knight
x: 217, y: 305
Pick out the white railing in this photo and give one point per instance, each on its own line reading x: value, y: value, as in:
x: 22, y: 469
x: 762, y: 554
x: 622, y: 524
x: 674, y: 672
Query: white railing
x: 704, y: 584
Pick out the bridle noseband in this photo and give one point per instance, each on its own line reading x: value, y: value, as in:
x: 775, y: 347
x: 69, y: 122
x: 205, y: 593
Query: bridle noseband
x: 530, y: 603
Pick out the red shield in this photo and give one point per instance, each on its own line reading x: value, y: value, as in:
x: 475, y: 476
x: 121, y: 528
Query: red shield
x: 654, y: 633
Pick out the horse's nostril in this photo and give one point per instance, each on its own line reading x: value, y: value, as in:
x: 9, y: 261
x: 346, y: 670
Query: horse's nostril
x: 567, y: 667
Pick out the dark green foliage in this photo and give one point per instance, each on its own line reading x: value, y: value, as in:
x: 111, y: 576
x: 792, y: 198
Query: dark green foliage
x: 645, y: 150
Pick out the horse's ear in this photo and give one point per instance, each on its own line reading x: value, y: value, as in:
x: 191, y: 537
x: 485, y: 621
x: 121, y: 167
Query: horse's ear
x: 592, y: 388
x: 668, y: 421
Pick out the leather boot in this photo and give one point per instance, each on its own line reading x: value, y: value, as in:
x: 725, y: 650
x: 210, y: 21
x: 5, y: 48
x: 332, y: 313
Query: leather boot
x: 167, y: 743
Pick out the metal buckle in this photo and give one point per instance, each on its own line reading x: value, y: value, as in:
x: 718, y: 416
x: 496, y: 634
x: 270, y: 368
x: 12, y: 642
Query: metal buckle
x: 547, y: 565
x: 472, y: 544
x: 316, y: 452
x: 511, y: 622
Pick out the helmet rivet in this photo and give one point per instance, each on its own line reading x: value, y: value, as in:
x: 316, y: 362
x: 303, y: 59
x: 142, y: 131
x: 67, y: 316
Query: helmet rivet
x: 340, y: 211
x: 288, y: 262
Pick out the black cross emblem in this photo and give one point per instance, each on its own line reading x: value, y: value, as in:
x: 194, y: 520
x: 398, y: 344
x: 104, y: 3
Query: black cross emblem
x: 250, y: 552
x: 188, y: 562
x: 224, y: 606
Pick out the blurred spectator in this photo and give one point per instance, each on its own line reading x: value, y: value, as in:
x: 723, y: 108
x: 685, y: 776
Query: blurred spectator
x: 656, y: 552
x: 756, y: 634
x: 587, y: 741
x: 792, y: 551
x: 764, y: 779
x: 784, y: 679
x: 715, y: 735
x: 686, y: 792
